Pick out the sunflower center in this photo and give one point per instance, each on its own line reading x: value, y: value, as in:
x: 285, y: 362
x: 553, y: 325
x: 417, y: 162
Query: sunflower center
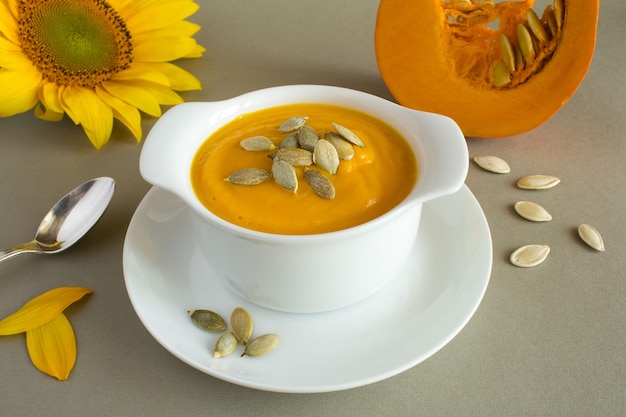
x: 74, y: 42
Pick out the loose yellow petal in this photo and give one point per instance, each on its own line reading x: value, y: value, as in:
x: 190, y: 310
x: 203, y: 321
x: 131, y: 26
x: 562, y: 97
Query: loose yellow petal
x: 41, y: 309
x: 52, y: 347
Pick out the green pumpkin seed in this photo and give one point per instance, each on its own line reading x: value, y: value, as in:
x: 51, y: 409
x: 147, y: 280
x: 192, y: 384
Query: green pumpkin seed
x: 225, y: 345
x: 261, y: 345
x: 248, y: 176
x: 257, y: 143
x: 320, y: 184
x: 207, y: 320
x: 293, y: 123
x: 325, y: 156
x: 241, y: 324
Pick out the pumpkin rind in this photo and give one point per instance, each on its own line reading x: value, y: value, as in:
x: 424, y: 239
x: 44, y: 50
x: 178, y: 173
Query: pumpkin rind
x: 419, y: 73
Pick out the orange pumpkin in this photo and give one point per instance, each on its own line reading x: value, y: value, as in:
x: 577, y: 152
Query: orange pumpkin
x: 497, y: 69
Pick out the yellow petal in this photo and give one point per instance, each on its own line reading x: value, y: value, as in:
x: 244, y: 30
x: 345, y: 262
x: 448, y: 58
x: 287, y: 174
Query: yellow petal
x: 133, y: 95
x: 88, y: 110
x: 8, y: 24
x: 142, y: 71
x: 164, y: 49
x: 18, y: 91
x: 179, y: 79
x: 41, y: 309
x: 122, y: 111
x: 159, y: 15
x: 49, y: 108
x: 52, y: 347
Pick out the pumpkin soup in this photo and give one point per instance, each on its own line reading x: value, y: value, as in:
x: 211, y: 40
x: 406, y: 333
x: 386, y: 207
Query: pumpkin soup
x: 238, y: 179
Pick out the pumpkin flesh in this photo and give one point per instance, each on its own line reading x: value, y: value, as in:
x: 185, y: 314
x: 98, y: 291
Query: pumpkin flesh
x: 441, y: 57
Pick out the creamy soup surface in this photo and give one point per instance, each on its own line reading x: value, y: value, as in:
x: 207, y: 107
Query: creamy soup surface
x: 377, y: 178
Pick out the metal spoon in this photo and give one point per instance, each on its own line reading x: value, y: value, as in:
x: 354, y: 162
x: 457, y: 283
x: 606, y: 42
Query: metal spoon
x: 69, y: 219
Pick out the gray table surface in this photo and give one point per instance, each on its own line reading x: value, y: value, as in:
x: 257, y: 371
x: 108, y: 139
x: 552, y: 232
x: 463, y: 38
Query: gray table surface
x: 544, y: 341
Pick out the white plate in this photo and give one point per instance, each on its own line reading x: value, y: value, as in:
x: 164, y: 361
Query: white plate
x: 409, y: 320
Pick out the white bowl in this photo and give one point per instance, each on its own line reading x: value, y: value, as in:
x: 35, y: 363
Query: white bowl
x: 306, y: 273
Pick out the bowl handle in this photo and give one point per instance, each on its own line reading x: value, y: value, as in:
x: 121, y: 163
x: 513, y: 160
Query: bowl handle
x: 448, y: 148
x: 170, y: 146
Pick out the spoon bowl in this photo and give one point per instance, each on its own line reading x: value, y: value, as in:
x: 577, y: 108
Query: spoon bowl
x: 69, y: 219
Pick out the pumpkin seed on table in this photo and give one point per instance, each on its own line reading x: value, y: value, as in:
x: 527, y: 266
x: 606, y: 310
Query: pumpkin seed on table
x: 529, y: 255
x: 248, y: 176
x: 261, y: 345
x: 207, y: 320
x: 538, y: 182
x: 325, y: 156
x: 293, y: 123
x: 591, y: 237
x: 257, y: 143
x: 532, y: 211
x: 493, y: 164
x: 320, y: 184
x: 225, y: 345
x: 241, y: 324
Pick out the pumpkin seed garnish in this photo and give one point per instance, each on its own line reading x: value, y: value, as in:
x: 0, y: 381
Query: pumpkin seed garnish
x: 532, y: 211
x: 529, y: 255
x: 493, y: 164
x: 294, y: 156
x: 290, y: 141
x: 345, y: 150
x: 207, y: 320
x: 348, y: 135
x: 257, y: 143
x: 591, y: 237
x: 538, y: 182
x: 293, y: 123
x: 225, y: 345
x: 307, y: 137
x: 285, y: 174
x: 241, y: 324
x: 248, y: 176
x: 320, y: 184
x: 261, y: 345
x: 325, y: 156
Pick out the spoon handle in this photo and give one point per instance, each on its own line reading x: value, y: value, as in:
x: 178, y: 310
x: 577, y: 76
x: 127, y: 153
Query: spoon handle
x: 21, y: 248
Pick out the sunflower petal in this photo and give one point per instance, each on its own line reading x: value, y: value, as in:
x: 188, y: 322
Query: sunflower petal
x: 181, y: 28
x: 164, y: 49
x: 18, y: 91
x: 8, y: 24
x: 88, y: 110
x: 179, y: 79
x: 52, y: 347
x: 122, y: 111
x: 134, y: 95
x: 159, y: 15
x: 41, y: 309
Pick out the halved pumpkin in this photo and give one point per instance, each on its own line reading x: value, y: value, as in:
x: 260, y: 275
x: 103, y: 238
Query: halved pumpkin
x: 497, y: 69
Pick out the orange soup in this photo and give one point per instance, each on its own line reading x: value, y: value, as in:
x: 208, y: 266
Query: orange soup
x: 378, y: 177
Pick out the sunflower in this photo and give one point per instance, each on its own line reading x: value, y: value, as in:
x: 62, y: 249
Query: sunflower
x: 95, y: 60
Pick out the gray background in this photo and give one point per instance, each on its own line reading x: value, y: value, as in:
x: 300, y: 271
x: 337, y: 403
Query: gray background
x: 544, y: 341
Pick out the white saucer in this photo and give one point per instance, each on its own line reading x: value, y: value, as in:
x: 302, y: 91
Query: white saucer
x: 409, y: 320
